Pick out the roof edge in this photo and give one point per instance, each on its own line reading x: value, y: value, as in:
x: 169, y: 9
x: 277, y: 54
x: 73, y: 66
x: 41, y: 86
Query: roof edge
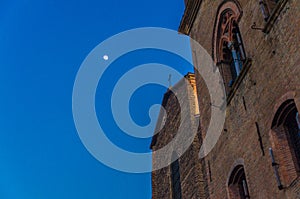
x: 189, y: 16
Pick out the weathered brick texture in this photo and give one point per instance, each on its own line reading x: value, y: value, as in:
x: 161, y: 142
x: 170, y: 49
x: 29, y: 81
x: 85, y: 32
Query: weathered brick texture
x: 272, y: 76
x: 177, y: 113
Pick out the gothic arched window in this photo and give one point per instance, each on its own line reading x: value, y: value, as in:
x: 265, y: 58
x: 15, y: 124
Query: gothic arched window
x: 175, y: 179
x: 286, y: 140
x: 237, y: 184
x: 229, y: 52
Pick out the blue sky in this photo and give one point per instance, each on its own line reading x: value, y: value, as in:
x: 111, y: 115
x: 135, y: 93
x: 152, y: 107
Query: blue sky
x: 42, y: 45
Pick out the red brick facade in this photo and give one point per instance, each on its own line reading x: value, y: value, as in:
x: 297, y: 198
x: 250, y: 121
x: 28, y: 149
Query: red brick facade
x: 262, y: 102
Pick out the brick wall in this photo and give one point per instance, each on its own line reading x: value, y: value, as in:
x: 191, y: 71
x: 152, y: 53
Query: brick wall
x: 273, y: 76
x: 273, y: 72
x: 175, y: 113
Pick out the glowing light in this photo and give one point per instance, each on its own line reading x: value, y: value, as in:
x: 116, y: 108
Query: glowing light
x: 105, y: 57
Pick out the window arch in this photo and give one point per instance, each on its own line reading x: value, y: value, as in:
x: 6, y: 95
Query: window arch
x: 228, y: 49
x: 237, y: 184
x: 175, y: 178
x: 286, y: 140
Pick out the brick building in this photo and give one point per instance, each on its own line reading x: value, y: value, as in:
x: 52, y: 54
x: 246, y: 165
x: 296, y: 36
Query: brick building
x: 182, y: 176
x: 255, y: 45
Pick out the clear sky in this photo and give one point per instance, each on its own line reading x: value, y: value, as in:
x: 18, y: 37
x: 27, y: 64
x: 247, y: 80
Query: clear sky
x: 42, y: 45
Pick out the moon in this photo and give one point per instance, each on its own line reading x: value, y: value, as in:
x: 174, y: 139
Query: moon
x: 105, y: 57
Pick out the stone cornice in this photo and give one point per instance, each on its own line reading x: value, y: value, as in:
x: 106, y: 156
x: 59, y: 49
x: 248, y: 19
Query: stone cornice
x: 189, y: 16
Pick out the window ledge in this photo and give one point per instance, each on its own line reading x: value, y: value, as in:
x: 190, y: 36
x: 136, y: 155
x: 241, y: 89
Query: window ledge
x: 239, y: 80
x: 273, y: 17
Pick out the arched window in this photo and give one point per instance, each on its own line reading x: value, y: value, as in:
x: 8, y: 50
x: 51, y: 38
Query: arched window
x: 237, y: 184
x: 286, y: 140
x: 229, y: 52
x: 175, y: 178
